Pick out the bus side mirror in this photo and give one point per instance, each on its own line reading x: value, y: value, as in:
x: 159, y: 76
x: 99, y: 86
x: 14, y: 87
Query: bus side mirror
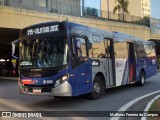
x: 13, y: 48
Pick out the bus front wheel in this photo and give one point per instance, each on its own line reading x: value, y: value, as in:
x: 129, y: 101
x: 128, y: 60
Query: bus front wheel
x: 142, y: 79
x: 98, y: 89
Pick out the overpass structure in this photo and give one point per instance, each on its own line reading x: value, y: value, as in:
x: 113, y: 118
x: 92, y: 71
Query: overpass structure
x: 14, y: 19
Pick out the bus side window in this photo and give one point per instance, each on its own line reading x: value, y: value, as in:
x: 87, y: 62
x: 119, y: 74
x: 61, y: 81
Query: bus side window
x: 79, y: 48
x: 120, y: 50
x: 79, y: 51
x: 73, y: 47
x: 107, y: 44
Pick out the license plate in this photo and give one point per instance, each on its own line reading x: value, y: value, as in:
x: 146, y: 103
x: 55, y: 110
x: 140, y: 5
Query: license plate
x: 37, y: 90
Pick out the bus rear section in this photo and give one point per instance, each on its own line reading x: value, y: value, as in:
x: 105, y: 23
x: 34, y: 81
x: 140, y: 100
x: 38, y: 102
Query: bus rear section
x: 146, y: 60
x: 139, y: 58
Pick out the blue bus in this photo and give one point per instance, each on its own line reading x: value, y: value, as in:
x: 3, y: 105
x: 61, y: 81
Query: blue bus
x: 68, y: 59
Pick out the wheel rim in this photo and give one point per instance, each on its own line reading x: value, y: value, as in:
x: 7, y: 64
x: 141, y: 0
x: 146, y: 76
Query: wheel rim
x: 142, y: 79
x: 97, y: 88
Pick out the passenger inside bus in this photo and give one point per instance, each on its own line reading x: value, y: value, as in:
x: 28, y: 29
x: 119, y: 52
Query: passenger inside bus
x: 41, y: 62
x: 78, y: 47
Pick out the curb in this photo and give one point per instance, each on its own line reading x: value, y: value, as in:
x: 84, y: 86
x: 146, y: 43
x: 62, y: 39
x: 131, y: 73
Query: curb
x: 9, y: 78
x: 149, y: 105
x: 129, y: 104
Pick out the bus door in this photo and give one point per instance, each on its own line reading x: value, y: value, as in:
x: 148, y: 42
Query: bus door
x: 121, y: 62
x: 132, y: 62
x: 110, y: 70
x: 81, y: 65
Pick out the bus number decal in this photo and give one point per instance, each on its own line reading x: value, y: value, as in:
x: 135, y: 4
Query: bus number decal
x: 47, y: 81
x: 41, y: 30
x: 95, y: 63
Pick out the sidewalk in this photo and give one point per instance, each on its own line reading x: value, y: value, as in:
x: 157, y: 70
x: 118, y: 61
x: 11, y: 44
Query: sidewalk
x: 8, y: 78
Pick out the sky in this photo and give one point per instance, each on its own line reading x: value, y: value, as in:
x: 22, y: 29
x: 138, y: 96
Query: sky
x: 93, y: 3
x: 155, y: 6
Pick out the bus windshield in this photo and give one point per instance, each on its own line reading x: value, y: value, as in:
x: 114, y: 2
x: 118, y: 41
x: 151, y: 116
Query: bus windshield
x: 43, y: 52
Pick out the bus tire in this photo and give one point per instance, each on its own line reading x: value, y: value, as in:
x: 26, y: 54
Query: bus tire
x: 98, y: 89
x: 142, y: 79
x: 57, y: 97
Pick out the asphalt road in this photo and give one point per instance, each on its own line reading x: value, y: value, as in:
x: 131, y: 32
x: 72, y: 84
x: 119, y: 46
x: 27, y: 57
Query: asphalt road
x: 115, y: 98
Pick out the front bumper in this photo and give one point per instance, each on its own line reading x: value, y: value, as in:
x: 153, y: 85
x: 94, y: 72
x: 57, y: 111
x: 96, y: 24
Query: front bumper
x: 63, y: 89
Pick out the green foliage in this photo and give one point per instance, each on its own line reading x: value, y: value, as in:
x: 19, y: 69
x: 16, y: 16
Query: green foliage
x: 122, y: 5
x: 158, y: 58
x: 90, y: 12
x: 155, y: 107
x: 144, y: 21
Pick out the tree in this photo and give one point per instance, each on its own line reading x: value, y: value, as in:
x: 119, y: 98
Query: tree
x: 122, y: 5
x: 91, y: 12
x: 144, y: 21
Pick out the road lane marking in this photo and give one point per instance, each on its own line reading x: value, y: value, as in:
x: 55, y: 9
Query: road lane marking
x: 149, y: 105
x: 126, y: 106
x: 11, y: 104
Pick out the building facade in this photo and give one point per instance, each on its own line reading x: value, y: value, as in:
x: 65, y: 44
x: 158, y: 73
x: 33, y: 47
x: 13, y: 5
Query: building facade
x: 139, y: 8
x: 67, y: 7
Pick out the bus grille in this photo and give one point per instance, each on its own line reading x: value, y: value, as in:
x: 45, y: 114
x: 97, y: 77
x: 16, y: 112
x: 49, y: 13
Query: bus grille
x: 38, y: 74
x: 47, y: 88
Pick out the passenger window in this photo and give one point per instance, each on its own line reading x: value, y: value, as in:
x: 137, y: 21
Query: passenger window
x: 107, y: 43
x: 96, y: 38
x: 79, y: 48
x: 120, y: 50
x: 98, y: 49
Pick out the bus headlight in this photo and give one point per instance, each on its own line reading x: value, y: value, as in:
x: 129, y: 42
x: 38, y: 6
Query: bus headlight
x: 63, y: 79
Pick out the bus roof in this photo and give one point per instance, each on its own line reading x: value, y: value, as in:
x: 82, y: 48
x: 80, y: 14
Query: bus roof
x: 41, y: 24
x: 117, y: 36
x: 70, y: 25
x: 125, y: 37
x: 90, y: 29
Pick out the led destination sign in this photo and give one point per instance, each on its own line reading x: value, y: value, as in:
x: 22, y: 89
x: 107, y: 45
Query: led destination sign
x: 42, y: 30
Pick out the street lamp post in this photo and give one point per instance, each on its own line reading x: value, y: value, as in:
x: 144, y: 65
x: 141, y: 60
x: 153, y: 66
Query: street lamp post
x: 82, y: 7
x: 108, y: 7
